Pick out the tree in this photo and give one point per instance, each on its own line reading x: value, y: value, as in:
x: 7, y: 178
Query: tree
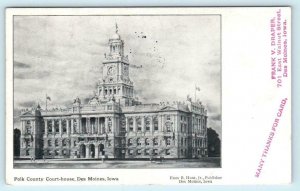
x: 17, y: 136
x: 214, y: 143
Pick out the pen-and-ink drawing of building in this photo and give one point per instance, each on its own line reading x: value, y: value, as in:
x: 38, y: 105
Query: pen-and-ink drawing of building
x: 114, y: 124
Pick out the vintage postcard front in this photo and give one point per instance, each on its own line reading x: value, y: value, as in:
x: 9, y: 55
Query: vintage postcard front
x: 112, y: 96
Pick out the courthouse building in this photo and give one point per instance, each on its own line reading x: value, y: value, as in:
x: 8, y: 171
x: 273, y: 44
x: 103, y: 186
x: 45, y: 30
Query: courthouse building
x: 114, y: 124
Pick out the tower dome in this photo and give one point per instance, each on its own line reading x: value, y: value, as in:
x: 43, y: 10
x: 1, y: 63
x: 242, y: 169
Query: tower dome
x: 116, y: 36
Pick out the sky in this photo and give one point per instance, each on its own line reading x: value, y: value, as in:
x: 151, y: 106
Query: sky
x: 61, y: 56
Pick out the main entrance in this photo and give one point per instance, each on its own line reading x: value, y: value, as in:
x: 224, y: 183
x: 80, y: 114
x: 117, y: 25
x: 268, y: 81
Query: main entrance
x: 82, y: 151
x: 101, y: 150
x: 92, y: 151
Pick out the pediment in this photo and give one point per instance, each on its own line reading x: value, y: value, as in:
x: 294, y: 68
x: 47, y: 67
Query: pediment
x: 27, y: 113
x: 166, y: 108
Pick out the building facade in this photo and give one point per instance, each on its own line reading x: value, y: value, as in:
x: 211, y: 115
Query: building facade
x: 113, y: 124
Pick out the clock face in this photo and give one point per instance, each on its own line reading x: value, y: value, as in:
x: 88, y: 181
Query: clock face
x: 111, y: 70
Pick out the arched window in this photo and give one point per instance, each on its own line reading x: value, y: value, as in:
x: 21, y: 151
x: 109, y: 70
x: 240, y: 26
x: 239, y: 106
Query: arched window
x: 147, y: 141
x: 49, y: 143
x: 155, y: 141
x: 56, y: 143
x: 138, y: 142
x: 65, y: 142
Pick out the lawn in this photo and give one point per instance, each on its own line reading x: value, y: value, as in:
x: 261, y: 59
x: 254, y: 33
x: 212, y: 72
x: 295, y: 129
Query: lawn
x: 119, y: 164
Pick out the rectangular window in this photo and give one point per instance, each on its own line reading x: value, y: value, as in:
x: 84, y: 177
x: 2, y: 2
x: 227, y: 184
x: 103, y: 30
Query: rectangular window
x: 167, y: 152
x: 147, y: 124
x: 28, y: 130
x: 130, y: 124
x: 168, y: 141
x: 139, y: 152
x: 147, y: 152
x: 139, y: 124
x: 130, y: 152
x: 129, y: 142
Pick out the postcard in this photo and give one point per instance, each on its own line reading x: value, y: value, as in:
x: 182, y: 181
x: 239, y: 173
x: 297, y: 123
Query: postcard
x: 143, y: 96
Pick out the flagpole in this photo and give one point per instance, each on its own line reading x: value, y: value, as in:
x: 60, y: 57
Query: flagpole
x: 46, y: 103
x: 195, y: 93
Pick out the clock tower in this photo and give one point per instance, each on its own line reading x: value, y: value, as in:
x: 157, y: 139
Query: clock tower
x: 115, y: 83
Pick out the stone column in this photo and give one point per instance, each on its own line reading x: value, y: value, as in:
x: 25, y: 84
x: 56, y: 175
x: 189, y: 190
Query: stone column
x: 99, y: 126
x: 96, y: 125
x: 113, y: 124
x: 106, y: 125
x: 93, y: 127
x: 53, y: 129
x: 134, y: 124
x: 78, y: 130
x: 103, y: 127
x: 126, y: 124
x: 96, y: 151
x: 87, y: 151
x: 72, y: 126
x: 159, y: 122
x: 60, y: 127
x: 67, y: 126
x: 46, y: 126
x: 151, y: 124
x: 88, y: 125
x: 143, y: 123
